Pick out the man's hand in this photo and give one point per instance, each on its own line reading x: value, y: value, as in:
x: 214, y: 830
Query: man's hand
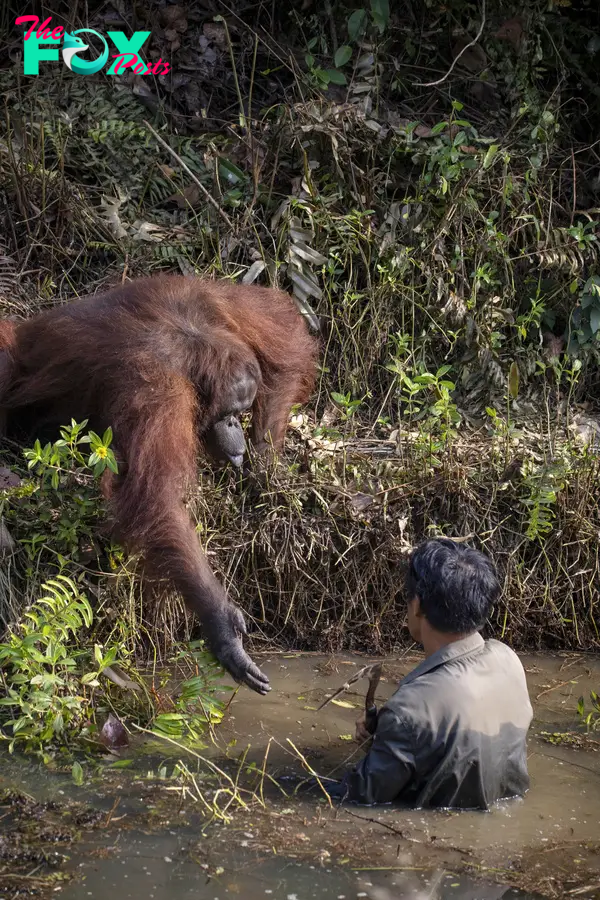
x: 362, y: 732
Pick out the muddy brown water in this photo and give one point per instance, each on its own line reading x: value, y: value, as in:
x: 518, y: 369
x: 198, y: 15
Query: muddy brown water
x: 294, y: 848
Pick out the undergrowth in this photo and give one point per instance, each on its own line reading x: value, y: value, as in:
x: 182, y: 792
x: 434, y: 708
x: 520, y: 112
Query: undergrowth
x: 70, y: 682
x: 433, y: 205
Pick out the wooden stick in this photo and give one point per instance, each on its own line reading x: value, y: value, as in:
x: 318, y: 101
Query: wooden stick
x: 194, y: 178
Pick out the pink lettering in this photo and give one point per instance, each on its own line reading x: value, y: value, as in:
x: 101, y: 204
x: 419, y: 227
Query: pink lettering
x: 138, y: 66
x: 124, y: 61
x: 40, y: 32
x: 43, y: 32
x: 21, y: 20
x: 159, y: 68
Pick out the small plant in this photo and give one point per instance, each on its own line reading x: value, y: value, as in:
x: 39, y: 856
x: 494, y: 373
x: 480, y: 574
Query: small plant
x: 65, y: 454
x: 376, y: 20
x: 346, y: 405
x: 54, y: 698
x: 446, y: 158
x: 590, y: 718
x: 196, y: 707
x: 585, y: 318
x: 58, y: 510
x: 333, y: 75
x: 543, y: 484
x: 427, y: 398
x: 49, y: 674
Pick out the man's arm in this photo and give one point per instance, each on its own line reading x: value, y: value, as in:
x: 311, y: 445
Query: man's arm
x: 388, y: 767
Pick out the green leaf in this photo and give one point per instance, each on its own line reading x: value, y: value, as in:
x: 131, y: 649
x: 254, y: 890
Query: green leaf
x: 231, y: 172
x: 339, y: 398
x: 380, y: 10
x: 342, y: 56
x: 335, y: 77
x: 321, y: 74
x: 593, y: 285
x: 595, y: 320
x: 77, y: 774
x: 356, y: 23
x: 169, y: 724
x: 488, y: 159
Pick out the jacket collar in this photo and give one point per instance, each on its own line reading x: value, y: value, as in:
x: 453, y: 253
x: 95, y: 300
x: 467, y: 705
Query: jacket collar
x: 446, y: 654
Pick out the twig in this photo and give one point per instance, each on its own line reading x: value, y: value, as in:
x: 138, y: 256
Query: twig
x: 334, y: 40
x: 243, y: 118
x: 311, y: 770
x: 464, y: 50
x: 574, y: 204
x: 196, y: 180
x: 112, y: 812
x: 557, y: 686
x: 396, y: 831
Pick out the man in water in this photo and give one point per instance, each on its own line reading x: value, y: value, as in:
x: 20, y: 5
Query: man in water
x: 454, y: 733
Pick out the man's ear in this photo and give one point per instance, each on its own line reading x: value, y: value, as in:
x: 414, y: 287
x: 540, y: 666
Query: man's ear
x: 417, y: 607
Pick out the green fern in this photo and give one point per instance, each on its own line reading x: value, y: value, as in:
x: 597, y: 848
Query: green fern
x: 543, y: 484
x: 41, y: 663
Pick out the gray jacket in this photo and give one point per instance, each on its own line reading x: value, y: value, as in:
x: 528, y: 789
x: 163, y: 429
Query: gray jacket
x: 453, y: 734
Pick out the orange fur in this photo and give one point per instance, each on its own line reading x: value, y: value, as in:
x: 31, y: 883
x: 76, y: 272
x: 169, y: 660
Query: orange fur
x: 152, y: 359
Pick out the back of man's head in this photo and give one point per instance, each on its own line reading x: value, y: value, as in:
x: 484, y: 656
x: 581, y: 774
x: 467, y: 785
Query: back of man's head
x: 456, y: 585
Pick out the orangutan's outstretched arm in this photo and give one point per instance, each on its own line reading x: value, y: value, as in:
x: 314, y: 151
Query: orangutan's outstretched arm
x: 160, y: 437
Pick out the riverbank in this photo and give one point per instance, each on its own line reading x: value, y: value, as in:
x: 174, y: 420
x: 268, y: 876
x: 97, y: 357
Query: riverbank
x: 141, y: 823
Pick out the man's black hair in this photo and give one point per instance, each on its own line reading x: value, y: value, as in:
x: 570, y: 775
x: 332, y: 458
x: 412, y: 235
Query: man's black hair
x: 456, y: 585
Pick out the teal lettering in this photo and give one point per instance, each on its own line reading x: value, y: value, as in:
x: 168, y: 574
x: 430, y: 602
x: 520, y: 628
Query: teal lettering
x: 127, y: 45
x: 33, y: 54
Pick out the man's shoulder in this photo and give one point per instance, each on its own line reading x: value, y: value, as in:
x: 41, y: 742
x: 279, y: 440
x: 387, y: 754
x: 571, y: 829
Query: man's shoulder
x: 436, y: 688
x: 500, y: 646
x: 503, y: 652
